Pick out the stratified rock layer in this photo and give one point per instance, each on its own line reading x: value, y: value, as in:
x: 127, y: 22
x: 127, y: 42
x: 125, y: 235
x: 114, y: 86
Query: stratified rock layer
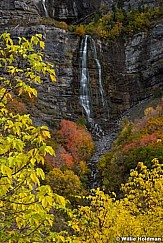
x: 132, y: 69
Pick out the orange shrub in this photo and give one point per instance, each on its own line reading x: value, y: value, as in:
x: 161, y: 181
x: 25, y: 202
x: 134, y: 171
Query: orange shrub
x: 62, y: 158
x: 76, y: 140
x: 16, y: 106
x: 148, y: 139
x: 64, y: 25
x: 129, y: 146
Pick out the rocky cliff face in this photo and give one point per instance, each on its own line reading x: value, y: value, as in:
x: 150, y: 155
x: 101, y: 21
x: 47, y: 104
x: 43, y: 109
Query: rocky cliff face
x: 132, y: 69
x: 132, y: 4
x: 54, y: 99
x: 64, y: 10
x: 12, y: 10
x: 71, y: 10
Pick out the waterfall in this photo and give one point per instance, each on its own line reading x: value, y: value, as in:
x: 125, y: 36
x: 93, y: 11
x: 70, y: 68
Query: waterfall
x: 85, y: 97
x: 99, y: 73
x: 45, y: 9
x: 85, y: 89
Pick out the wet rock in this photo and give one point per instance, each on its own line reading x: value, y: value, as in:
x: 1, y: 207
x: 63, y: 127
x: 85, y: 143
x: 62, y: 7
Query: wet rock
x: 102, y: 145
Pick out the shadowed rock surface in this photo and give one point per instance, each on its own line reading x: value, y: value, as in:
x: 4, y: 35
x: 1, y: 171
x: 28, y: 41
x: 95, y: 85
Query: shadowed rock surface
x: 132, y: 68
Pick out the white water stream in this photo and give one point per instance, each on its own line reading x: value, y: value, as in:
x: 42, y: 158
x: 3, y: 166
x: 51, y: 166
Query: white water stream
x: 85, y: 89
x: 45, y: 9
x: 93, y: 46
x: 85, y: 97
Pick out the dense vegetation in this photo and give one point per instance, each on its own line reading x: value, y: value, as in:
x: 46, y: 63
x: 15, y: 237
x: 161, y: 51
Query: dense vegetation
x: 107, y: 24
x: 43, y: 196
x: 24, y: 203
x: 119, y: 22
x: 139, y: 141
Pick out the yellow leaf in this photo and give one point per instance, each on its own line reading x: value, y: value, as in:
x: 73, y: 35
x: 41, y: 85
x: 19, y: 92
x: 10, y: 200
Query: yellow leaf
x: 14, y: 206
x: 49, y: 150
x: 23, y: 207
x: 44, y: 202
x: 36, y: 222
x: 20, y: 91
x: 40, y: 173
x: 6, y: 170
x: 33, y: 160
x: 50, y: 222
x: 60, y: 200
x: 42, y: 44
x: 46, y: 134
x: 18, y: 222
x: 52, y: 77
x: 35, y: 179
x: 9, y: 96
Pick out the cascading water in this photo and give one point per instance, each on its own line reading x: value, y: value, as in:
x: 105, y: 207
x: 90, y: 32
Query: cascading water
x: 45, y: 9
x: 102, y: 92
x: 85, y: 89
x: 85, y: 97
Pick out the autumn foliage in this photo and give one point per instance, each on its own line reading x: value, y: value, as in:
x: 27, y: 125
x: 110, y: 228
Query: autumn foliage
x: 61, y: 159
x: 29, y: 208
x: 137, y: 214
x: 114, y: 23
x: 64, y: 183
x: 25, y: 204
x: 138, y: 141
x: 76, y: 141
x: 15, y: 106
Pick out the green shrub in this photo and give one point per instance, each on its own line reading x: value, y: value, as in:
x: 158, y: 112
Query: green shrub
x: 139, y: 141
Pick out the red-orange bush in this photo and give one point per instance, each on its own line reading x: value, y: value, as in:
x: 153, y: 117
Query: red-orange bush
x: 68, y: 159
x: 61, y: 159
x: 16, y: 106
x: 129, y: 146
x: 148, y: 139
x: 76, y: 140
x: 145, y: 140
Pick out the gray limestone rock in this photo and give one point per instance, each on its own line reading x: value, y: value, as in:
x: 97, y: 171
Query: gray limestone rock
x: 132, y: 68
x: 71, y: 10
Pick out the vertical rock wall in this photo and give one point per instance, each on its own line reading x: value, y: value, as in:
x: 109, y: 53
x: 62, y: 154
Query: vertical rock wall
x: 12, y: 11
x: 71, y: 10
x: 132, y: 69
